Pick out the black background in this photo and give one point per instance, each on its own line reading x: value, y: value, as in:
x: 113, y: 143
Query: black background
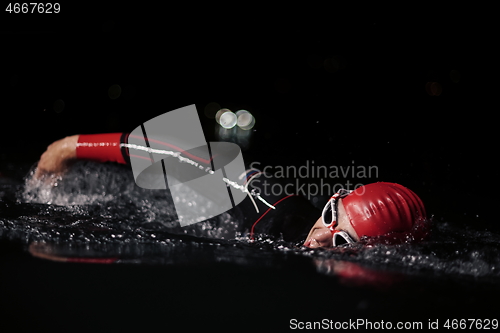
x: 372, y: 108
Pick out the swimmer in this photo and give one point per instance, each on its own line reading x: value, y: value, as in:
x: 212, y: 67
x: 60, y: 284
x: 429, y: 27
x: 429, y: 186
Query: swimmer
x: 377, y: 212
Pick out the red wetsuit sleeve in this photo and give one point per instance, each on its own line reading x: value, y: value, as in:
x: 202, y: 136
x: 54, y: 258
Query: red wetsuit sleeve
x: 102, y: 147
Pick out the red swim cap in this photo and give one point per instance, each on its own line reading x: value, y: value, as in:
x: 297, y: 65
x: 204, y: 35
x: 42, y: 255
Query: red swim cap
x: 379, y: 208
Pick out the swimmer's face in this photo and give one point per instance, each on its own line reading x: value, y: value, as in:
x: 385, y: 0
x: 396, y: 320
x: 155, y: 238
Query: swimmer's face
x: 321, y: 236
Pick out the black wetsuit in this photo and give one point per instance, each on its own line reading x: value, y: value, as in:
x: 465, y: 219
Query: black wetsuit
x: 291, y: 217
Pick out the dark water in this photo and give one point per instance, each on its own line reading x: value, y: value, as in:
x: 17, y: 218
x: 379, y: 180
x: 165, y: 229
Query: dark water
x: 91, y: 246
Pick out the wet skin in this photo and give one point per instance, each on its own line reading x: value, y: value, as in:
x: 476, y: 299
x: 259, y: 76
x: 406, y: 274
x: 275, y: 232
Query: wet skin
x: 57, y: 157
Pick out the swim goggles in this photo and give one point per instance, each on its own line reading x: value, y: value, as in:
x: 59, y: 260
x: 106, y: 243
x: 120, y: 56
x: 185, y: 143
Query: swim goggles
x: 329, y: 217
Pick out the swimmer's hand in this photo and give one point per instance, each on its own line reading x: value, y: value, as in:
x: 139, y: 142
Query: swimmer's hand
x: 56, y: 159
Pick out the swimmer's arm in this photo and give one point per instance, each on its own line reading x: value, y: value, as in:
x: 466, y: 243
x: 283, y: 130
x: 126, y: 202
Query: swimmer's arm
x: 96, y: 147
x: 58, y: 156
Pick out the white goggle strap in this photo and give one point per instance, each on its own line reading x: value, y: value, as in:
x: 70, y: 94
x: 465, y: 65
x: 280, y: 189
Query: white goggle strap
x: 345, y: 238
x: 332, y: 205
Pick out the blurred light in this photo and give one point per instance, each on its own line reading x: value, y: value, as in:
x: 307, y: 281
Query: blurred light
x: 236, y: 135
x: 455, y: 76
x: 211, y: 110
x: 219, y: 113
x: 59, y: 106
x: 224, y: 134
x: 226, y: 118
x: 114, y: 91
x: 433, y: 88
x: 245, y: 120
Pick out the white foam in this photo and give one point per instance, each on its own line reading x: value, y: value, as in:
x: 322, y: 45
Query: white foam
x: 111, y: 188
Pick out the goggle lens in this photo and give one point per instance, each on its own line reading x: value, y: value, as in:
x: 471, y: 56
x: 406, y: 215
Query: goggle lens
x: 328, y: 213
x: 341, y: 238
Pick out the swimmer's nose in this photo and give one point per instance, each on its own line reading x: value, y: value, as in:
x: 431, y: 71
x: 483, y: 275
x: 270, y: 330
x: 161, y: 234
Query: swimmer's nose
x: 319, y: 238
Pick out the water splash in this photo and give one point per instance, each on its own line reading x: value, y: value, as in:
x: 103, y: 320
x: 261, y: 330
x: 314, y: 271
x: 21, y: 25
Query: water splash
x: 109, y: 191
x: 450, y: 251
x: 99, y: 205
